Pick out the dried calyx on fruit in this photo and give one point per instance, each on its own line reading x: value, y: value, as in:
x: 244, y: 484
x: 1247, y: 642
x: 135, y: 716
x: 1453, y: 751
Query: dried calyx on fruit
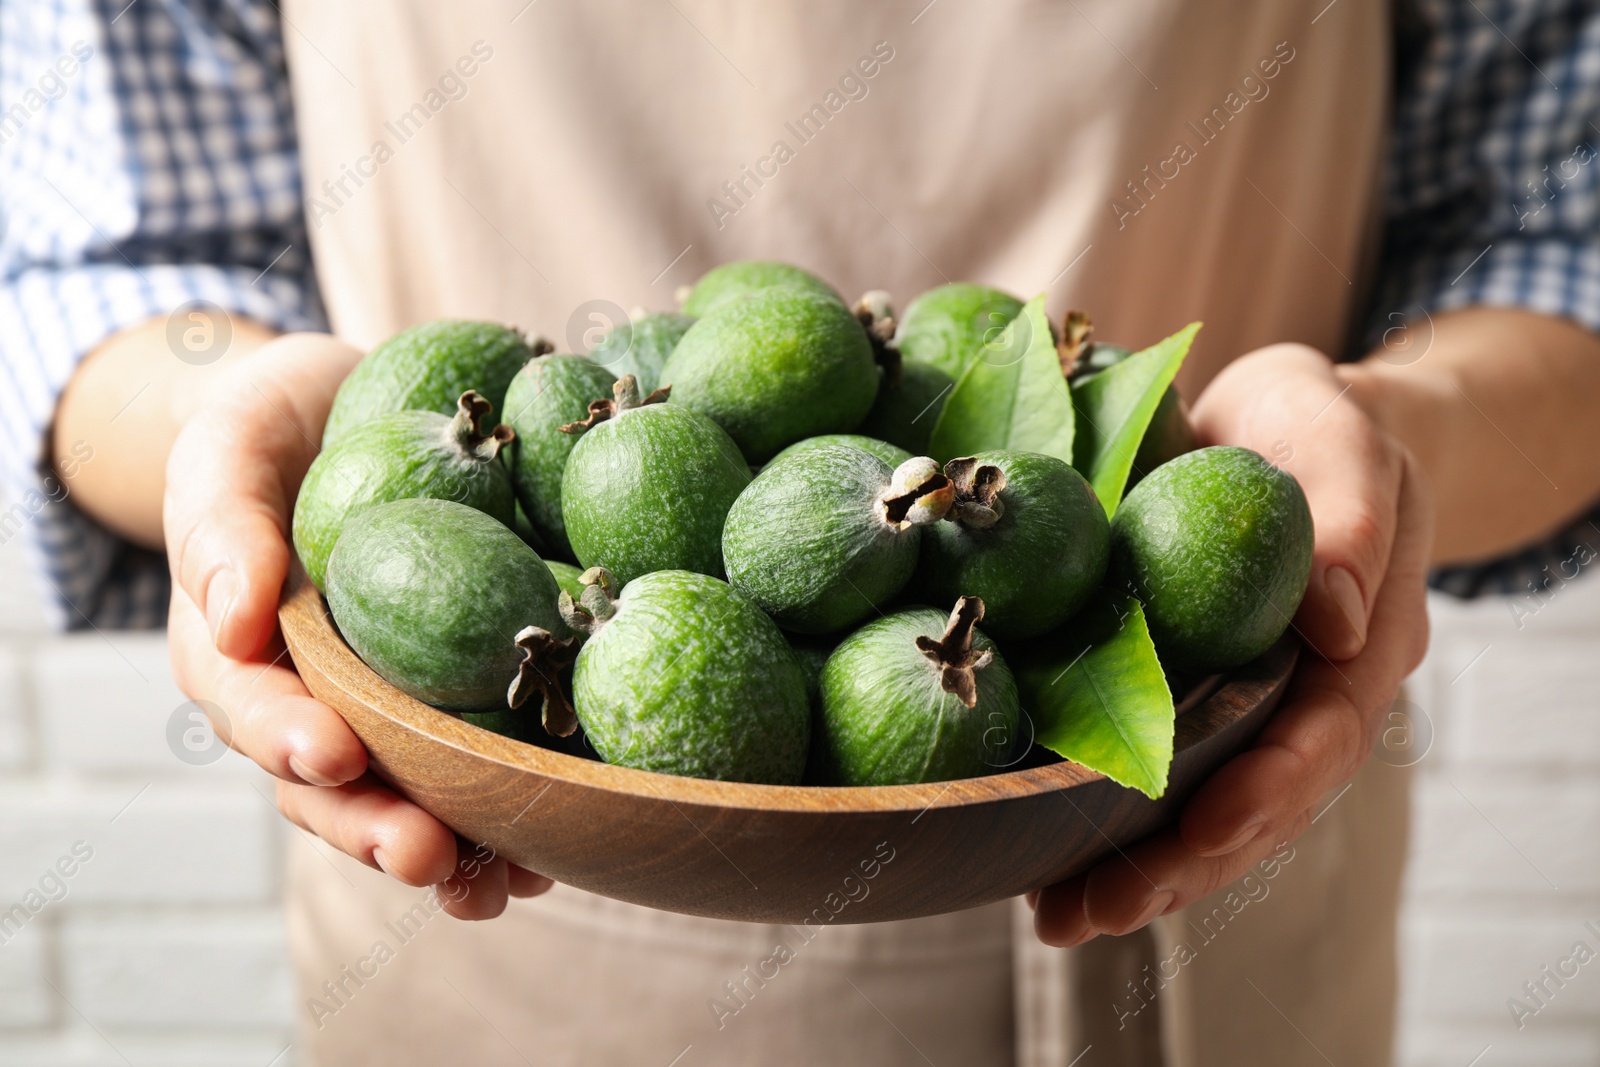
x: 471, y: 409
x: 1073, y: 340
x: 976, y: 487
x: 593, y: 608
x: 400, y: 456
x: 824, y: 535
x: 544, y: 656
x: 919, y: 493
x: 624, y: 397
x: 876, y: 315
x: 917, y: 696
x: 1025, y: 532
x: 953, y: 654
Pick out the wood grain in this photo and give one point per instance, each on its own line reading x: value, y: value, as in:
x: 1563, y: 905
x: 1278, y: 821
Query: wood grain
x: 760, y: 853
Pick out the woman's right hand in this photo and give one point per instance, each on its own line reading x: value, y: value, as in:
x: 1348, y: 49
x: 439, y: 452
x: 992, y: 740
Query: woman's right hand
x: 232, y: 478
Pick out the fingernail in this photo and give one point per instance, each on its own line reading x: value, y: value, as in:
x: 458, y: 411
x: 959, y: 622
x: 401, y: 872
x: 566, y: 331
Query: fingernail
x: 314, y: 777
x: 221, y: 592
x: 383, y: 864
x: 1156, y: 906
x: 1341, y: 585
x: 1241, y: 837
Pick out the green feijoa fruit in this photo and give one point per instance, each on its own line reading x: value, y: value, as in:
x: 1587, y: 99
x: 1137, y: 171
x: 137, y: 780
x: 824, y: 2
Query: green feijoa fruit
x: 396, y: 456
x: 648, y: 486
x: 773, y: 368
x: 893, y: 455
x: 568, y: 577
x: 730, y: 281
x: 947, y: 326
x: 641, y: 347
x: 450, y: 606
x: 824, y: 536
x: 1025, y: 533
x: 426, y: 367
x: 681, y: 674
x: 1217, y: 544
x: 548, y: 393
x: 916, y: 697
x: 1169, y: 434
x: 905, y: 412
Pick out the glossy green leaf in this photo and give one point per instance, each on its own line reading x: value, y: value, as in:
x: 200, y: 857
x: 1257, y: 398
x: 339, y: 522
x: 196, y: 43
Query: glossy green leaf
x: 1012, y: 396
x: 1116, y: 406
x: 1098, y: 696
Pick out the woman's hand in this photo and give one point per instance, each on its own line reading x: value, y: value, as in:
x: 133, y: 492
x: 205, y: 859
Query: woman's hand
x: 1364, y: 622
x: 231, y: 483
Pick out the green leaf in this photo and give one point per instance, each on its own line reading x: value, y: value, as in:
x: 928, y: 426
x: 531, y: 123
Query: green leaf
x: 1012, y: 396
x: 1098, y: 696
x: 1116, y: 406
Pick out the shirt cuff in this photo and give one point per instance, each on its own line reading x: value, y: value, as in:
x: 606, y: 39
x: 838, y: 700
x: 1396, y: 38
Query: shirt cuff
x: 49, y: 319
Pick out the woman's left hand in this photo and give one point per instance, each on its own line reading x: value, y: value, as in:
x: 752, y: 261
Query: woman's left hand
x: 1363, y: 620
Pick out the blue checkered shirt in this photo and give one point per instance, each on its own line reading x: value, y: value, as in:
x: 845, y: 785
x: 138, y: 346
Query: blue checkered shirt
x: 148, y: 159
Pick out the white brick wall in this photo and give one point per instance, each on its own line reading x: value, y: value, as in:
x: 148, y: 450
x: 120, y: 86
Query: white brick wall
x: 1505, y: 863
x: 167, y: 947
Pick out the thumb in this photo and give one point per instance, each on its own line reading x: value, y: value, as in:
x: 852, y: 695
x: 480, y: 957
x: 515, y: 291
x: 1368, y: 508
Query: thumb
x: 1352, y: 474
x: 231, y: 480
x: 1287, y: 402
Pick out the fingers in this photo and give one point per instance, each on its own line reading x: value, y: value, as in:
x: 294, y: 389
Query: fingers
x: 1058, y: 917
x: 1268, y: 795
x: 478, y: 887
x: 1285, y: 402
x: 370, y: 822
x: 1351, y: 474
x: 270, y: 716
x: 1323, y: 731
x: 521, y: 882
x: 231, y: 480
x: 1161, y: 874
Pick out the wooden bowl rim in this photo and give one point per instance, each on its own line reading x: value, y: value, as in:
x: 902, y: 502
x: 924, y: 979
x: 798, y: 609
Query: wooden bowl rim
x: 317, y: 646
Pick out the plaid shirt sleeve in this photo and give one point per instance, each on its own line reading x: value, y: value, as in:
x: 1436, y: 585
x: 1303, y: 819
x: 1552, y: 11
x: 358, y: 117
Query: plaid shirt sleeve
x: 147, y: 160
x: 1493, y: 198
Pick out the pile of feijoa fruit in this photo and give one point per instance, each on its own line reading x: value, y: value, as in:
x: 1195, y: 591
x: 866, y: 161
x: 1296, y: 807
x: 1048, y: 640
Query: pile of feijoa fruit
x: 777, y: 538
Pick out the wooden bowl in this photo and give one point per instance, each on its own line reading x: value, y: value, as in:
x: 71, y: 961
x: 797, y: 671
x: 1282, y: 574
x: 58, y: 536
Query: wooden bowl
x: 763, y: 853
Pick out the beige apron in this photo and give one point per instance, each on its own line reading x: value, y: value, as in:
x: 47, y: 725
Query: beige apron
x: 552, y: 162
